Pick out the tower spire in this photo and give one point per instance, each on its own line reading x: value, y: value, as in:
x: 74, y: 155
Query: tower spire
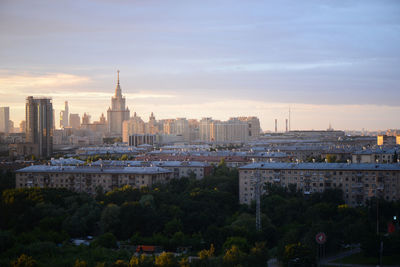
x: 118, y: 88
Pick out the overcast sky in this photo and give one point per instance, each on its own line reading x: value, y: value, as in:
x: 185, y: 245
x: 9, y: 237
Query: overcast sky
x: 332, y: 62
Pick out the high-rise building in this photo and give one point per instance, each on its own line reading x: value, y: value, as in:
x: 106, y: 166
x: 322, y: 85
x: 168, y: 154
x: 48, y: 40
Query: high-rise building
x: 4, y: 118
x: 74, y: 121
x: 254, y: 126
x: 117, y: 113
x: 22, y: 127
x: 86, y: 118
x: 39, y: 124
x: 134, y: 125
x: 233, y: 130
x: 152, y: 125
x: 182, y: 128
x: 64, y: 116
x: 205, y: 129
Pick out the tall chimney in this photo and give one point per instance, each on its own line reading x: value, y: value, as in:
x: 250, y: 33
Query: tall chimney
x: 276, y: 125
x: 286, y: 125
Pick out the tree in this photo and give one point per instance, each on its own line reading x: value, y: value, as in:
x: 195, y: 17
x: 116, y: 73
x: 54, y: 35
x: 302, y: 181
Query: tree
x: 79, y: 263
x: 134, y: 261
x: 258, y: 255
x: 24, y: 261
x: 166, y: 259
x: 109, y: 220
x: 119, y: 263
x: 239, y: 242
x: 331, y: 158
x: 206, y: 254
x: 233, y: 256
x: 107, y: 240
x: 184, y: 262
x: 299, y: 253
x: 173, y: 226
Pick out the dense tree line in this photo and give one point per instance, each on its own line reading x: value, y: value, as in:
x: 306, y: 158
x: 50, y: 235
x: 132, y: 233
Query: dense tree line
x: 36, y: 225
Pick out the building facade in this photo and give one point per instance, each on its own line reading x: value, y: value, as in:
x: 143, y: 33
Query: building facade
x: 74, y: 121
x: 4, y: 119
x: 39, y: 124
x: 64, y: 116
x: 141, y: 139
x: 117, y: 113
x: 89, y: 178
x: 358, y: 182
x: 135, y: 125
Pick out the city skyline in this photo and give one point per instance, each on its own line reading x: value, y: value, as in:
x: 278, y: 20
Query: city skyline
x: 330, y: 63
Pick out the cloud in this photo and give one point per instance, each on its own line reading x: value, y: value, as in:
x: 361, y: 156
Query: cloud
x: 279, y: 66
x: 39, y: 81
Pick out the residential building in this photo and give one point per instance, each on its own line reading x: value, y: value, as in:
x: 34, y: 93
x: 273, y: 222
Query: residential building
x: 74, y: 121
x: 384, y: 140
x: 39, y: 125
x: 179, y: 169
x: 135, y: 125
x: 358, y: 182
x: 253, y: 127
x: 4, y: 119
x: 89, y: 178
x: 64, y: 115
x: 379, y: 155
x: 141, y: 139
x: 22, y: 127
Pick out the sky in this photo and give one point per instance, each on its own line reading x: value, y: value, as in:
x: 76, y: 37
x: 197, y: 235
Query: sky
x: 330, y: 62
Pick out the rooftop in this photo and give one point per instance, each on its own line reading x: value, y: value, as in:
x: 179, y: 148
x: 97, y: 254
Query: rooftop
x: 321, y: 166
x: 93, y: 169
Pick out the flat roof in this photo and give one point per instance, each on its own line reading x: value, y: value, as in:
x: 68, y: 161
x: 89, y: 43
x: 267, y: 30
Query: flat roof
x: 322, y: 166
x: 93, y: 169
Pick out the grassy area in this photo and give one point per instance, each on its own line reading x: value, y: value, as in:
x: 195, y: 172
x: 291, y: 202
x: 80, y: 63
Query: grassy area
x: 359, y: 258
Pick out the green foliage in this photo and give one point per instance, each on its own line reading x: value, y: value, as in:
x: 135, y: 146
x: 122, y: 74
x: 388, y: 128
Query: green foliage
x: 79, y: 263
x: 107, y: 240
x: 331, y: 158
x: 207, y: 253
x: 184, y: 213
x: 166, y: 259
x: 24, y: 261
x: 239, y: 242
x: 233, y: 256
x: 298, y: 254
x: 124, y: 157
x: 109, y: 221
x: 7, y: 180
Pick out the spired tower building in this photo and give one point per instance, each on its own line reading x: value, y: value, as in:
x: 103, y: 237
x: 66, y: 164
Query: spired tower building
x: 117, y: 113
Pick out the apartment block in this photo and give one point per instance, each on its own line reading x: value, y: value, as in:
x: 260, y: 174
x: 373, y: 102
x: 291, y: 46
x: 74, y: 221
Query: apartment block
x: 89, y: 178
x: 358, y: 182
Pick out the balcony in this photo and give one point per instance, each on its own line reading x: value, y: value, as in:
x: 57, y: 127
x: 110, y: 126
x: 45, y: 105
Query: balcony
x: 357, y: 185
x: 380, y: 187
x: 277, y: 180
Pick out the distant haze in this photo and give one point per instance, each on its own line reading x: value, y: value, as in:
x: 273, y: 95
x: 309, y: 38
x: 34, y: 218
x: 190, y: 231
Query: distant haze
x: 332, y: 61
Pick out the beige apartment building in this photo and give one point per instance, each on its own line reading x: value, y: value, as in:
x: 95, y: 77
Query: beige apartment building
x: 358, y: 182
x: 89, y: 178
x: 135, y: 125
